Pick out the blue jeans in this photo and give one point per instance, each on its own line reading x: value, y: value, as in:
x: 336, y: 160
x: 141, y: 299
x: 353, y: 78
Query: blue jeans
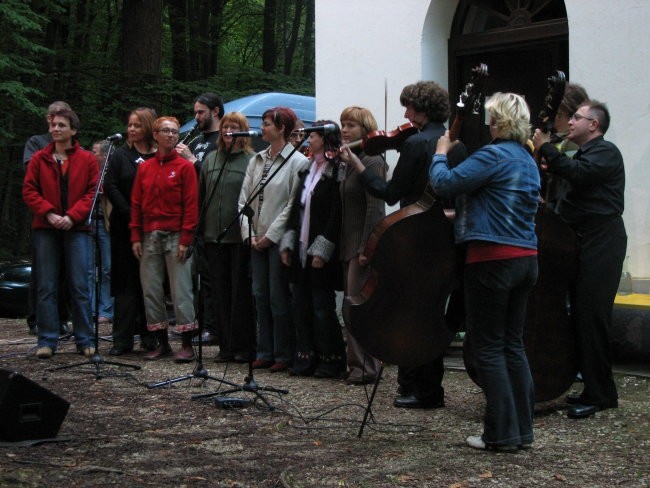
x: 275, y: 335
x: 49, y: 246
x: 496, y: 294
x: 105, y: 299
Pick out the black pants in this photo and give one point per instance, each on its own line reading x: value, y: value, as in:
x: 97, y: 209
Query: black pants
x: 600, y: 261
x: 231, y: 298
x: 206, y: 313
x: 425, y: 381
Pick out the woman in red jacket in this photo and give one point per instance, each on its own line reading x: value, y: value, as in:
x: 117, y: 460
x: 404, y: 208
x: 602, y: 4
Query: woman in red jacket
x: 164, y: 214
x: 59, y: 187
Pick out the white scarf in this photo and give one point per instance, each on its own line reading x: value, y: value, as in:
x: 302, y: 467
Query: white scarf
x: 315, y: 171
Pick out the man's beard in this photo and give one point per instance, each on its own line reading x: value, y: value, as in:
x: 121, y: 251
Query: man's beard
x: 206, y: 124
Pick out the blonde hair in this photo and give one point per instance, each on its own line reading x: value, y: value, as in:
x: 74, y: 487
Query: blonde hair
x: 509, y: 116
x: 241, y: 142
x: 361, y: 116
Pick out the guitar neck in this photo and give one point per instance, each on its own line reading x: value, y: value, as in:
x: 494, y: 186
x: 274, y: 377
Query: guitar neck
x: 456, y: 126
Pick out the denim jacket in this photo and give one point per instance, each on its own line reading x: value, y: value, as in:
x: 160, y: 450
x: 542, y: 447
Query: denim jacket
x: 497, y: 194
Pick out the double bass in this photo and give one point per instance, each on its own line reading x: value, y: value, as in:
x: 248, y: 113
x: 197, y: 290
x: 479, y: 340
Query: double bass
x: 549, y: 338
x: 398, y: 316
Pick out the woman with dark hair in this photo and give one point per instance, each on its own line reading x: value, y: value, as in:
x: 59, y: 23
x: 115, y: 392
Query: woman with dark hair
x: 128, y: 317
x: 361, y: 212
x: 59, y: 188
x: 164, y: 214
x: 310, y: 247
x: 495, y: 219
x: 269, y: 188
x: 228, y: 257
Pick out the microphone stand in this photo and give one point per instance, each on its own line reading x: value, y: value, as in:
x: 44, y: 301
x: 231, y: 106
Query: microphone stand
x: 249, y: 385
x: 96, y: 359
x: 200, y: 372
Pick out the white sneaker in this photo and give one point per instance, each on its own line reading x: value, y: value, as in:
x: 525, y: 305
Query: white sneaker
x: 477, y: 442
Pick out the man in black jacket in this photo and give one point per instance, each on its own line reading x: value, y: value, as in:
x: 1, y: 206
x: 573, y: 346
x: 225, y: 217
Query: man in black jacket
x: 427, y: 107
x: 208, y: 110
x: 593, y: 207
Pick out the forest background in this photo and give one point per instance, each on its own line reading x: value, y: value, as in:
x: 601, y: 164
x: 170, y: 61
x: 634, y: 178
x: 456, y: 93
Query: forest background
x: 107, y: 57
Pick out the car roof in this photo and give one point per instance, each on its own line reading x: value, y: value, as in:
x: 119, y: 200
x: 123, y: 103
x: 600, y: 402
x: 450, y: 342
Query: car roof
x: 253, y: 106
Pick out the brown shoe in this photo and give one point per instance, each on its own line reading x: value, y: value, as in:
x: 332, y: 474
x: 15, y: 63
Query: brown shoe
x: 261, y: 364
x: 44, y: 352
x: 185, y: 355
x: 157, y: 353
x: 88, y: 351
x: 277, y: 367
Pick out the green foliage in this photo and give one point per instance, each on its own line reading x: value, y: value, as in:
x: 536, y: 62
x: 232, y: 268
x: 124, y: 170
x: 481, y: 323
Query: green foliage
x: 18, y: 58
x: 64, y: 50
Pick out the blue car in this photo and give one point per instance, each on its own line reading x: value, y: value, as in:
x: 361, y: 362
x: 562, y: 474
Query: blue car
x: 254, y: 106
x: 14, y: 289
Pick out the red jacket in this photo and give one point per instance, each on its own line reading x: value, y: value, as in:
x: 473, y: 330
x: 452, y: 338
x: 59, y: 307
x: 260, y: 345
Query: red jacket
x: 42, y: 186
x: 165, y: 197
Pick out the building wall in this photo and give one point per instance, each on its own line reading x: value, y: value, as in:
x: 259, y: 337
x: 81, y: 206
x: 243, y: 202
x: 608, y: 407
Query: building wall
x: 368, y: 50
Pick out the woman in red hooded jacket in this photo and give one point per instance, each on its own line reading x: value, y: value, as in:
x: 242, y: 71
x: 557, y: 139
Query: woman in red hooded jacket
x: 164, y: 214
x: 58, y: 188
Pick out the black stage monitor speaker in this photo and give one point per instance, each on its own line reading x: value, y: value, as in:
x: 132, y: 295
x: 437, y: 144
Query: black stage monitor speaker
x: 27, y: 410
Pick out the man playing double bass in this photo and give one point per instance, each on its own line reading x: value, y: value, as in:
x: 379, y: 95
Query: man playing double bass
x: 593, y: 208
x: 427, y: 107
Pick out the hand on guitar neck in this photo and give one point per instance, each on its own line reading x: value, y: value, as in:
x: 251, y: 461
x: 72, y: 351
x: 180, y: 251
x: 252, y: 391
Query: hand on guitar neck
x: 539, y: 139
x: 445, y: 144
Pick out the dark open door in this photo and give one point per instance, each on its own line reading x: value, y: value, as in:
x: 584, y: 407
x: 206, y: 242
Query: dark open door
x: 521, y: 41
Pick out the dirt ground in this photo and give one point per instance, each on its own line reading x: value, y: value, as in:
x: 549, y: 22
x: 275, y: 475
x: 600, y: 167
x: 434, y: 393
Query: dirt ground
x: 119, y: 432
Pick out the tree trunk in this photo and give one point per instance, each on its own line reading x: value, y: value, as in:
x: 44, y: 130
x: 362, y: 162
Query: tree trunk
x: 269, y: 59
x: 142, y: 24
x: 290, y: 50
x: 178, y: 28
x: 308, y: 41
x: 216, y: 25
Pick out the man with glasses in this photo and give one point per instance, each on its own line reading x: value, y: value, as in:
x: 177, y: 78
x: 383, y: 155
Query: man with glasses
x: 593, y: 207
x: 208, y: 110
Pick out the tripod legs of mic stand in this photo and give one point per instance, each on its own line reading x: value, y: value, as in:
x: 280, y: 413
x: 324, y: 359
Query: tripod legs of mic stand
x: 250, y: 385
x: 368, y: 411
x: 199, y: 373
x: 96, y: 360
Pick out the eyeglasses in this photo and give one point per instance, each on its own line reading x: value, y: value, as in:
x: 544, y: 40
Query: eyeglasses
x: 167, y: 132
x: 576, y: 117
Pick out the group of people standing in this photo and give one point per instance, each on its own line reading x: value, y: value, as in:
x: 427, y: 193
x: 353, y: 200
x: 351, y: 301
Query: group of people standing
x: 254, y: 246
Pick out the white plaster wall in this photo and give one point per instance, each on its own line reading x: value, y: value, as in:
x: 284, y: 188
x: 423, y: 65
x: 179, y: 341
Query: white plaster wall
x: 608, y: 54
x: 366, y: 48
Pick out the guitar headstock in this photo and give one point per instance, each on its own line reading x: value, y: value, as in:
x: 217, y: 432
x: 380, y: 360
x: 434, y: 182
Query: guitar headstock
x: 554, y: 95
x: 471, y: 95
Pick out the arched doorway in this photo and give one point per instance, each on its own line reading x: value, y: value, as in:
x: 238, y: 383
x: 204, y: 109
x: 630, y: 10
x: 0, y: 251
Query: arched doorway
x: 521, y: 41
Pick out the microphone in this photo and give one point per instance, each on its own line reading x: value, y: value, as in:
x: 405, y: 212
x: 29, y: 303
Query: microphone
x: 325, y: 129
x: 248, y: 133
x: 114, y: 137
